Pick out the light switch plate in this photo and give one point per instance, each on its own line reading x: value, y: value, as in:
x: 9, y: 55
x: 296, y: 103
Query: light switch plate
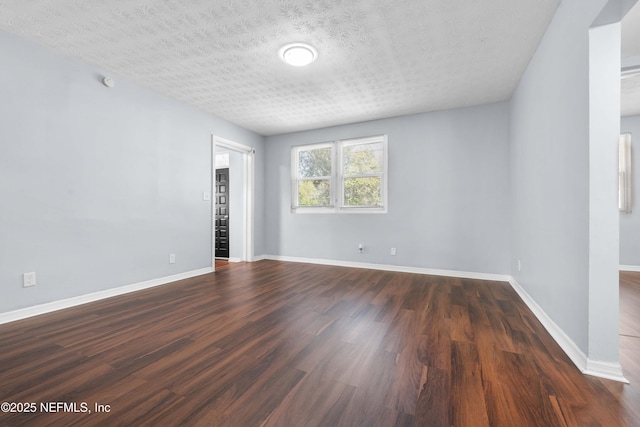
x: 28, y: 279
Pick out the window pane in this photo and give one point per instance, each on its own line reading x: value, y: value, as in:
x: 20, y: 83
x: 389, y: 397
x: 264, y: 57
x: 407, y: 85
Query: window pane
x: 363, y: 191
x: 363, y: 158
x: 314, y: 193
x: 314, y: 162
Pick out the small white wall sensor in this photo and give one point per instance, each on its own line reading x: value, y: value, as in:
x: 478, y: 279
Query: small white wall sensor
x: 108, y: 82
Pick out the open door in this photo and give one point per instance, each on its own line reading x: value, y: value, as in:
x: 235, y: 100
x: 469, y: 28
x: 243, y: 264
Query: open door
x: 222, y: 237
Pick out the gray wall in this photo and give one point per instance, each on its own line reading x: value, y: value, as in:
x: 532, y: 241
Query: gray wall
x: 550, y: 173
x: 99, y: 185
x: 630, y: 223
x: 448, y: 195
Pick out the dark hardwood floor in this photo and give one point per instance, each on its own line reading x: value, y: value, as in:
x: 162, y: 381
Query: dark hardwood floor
x: 630, y: 339
x: 286, y: 344
x: 221, y: 263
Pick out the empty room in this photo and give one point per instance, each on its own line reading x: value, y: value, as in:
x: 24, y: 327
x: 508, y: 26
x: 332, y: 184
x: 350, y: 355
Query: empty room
x: 319, y: 213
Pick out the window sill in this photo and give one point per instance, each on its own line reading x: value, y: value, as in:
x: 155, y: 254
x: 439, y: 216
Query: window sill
x: 305, y: 210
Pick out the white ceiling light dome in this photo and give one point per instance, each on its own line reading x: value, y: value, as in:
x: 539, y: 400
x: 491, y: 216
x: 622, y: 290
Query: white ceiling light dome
x: 298, y: 54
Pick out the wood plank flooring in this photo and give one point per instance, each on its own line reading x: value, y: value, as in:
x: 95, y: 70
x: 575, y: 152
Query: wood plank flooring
x: 221, y: 263
x: 286, y: 344
x: 630, y: 339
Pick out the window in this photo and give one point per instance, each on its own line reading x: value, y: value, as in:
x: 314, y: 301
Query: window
x: 314, y: 165
x: 340, y: 176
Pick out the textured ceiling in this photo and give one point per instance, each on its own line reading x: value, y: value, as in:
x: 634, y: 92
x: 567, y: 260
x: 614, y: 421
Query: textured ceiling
x: 631, y: 53
x: 376, y: 58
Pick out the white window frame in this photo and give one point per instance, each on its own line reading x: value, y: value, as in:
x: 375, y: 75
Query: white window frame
x: 337, y: 178
x: 295, y: 178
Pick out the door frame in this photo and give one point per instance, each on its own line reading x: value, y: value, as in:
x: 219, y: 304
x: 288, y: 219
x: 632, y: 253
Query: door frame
x: 248, y: 195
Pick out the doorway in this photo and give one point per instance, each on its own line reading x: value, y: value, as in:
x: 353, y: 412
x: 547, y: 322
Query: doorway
x: 243, y: 214
x: 222, y: 213
x: 629, y: 290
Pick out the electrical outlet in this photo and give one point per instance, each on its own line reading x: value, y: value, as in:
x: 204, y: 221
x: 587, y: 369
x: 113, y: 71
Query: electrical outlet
x: 28, y: 279
x: 206, y: 196
x: 172, y: 258
x: 519, y: 265
x: 394, y: 251
x: 360, y: 247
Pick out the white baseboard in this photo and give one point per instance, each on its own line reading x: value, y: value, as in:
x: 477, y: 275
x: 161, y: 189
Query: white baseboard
x: 398, y: 268
x: 629, y: 268
x: 611, y: 371
x: 229, y: 259
x: 259, y: 257
x: 576, y: 355
x: 608, y: 370
x: 36, y: 310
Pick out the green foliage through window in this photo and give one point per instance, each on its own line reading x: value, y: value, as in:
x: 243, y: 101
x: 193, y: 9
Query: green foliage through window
x: 363, y: 158
x: 314, y: 162
x: 365, y: 192
x: 363, y: 165
x: 314, y: 166
x: 315, y: 192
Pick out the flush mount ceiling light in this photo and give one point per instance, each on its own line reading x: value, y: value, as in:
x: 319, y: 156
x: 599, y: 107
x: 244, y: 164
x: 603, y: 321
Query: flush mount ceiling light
x: 298, y: 54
